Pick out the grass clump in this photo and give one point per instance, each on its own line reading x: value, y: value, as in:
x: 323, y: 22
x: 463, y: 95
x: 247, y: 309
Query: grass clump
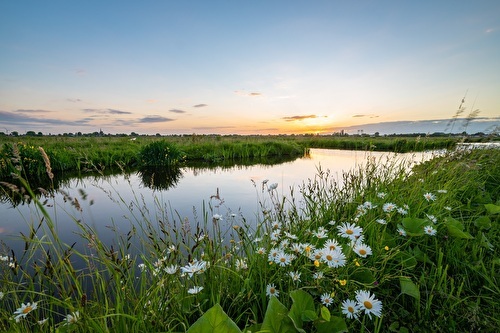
x: 387, y: 247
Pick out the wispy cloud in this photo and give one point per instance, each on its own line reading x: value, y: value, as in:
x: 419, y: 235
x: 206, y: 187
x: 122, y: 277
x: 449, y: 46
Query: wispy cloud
x: 32, y: 111
x: 365, y: 116
x: 74, y: 100
x: 155, y: 119
x: 19, y: 118
x: 244, y: 93
x: 298, y: 118
x: 177, y: 111
x: 200, y: 105
x: 106, y: 111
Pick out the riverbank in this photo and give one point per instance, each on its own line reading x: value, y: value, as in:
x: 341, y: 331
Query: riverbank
x: 79, y: 154
x: 390, y: 250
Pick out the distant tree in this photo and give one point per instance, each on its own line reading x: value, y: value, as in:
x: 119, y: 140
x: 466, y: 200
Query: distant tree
x: 14, y: 133
x: 39, y: 134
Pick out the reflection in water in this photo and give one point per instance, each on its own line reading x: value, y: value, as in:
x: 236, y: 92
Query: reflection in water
x: 157, y: 178
x: 160, y: 178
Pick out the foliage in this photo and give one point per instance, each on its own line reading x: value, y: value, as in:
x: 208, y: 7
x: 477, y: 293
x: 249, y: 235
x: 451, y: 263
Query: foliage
x: 160, y: 153
x: 416, y: 249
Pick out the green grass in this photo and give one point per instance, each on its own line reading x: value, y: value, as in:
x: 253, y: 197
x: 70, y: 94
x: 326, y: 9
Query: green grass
x: 81, y: 154
x: 147, y: 281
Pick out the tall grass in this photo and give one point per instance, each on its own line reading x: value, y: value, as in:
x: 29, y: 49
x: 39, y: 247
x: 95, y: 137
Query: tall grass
x: 417, y: 246
x: 81, y: 154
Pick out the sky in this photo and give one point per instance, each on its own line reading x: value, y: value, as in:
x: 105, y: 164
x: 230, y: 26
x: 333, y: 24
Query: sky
x: 248, y: 67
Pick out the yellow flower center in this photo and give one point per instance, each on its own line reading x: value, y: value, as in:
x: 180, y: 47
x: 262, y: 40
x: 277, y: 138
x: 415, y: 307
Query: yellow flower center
x: 349, y: 231
x: 316, y: 263
x: 350, y: 309
x: 272, y: 291
x: 332, y: 247
x: 283, y: 259
x: 368, y: 305
x: 329, y: 257
x: 362, y: 252
x: 27, y: 309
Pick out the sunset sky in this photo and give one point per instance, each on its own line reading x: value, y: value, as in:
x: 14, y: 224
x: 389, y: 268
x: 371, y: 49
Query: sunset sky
x: 245, y: 67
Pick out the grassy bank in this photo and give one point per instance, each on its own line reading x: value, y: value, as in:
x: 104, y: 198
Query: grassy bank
x: 79, y: 154
x: 392, y: 250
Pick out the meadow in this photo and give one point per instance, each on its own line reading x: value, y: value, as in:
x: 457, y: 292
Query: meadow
x: 393, y: 249
x: 84, y: 153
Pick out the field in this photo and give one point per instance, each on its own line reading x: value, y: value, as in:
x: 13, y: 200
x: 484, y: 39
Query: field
x: 392, y: 250
x: 80, y: 154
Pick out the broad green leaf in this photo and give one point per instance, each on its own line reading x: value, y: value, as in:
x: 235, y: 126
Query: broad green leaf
x: 276, y: 319
x: 414, y: 226
x: 455, y: 229
x: 492, y: 208
x: 309, y: 315
x: 363, y: 275
x: 335, y: 325
x: 215, y: 320
x: 302, y: 302
x: 409, y: 288
x: 325, y: 313
x: 483, y: 222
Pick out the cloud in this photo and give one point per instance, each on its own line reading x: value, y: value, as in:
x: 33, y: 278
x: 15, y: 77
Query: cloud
x: 106, y: 111
x: 200, y: 105
x: 365, y: 115
x: 177, y: 111
x: 12, y: 118
x: 244, y: 93
x: 74, y: 100
x: 155, y: 119
x: 32, y: 111
x: 295, y: 118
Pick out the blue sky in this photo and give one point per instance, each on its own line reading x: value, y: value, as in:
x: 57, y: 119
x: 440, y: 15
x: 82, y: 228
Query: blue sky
x: 259, y: 67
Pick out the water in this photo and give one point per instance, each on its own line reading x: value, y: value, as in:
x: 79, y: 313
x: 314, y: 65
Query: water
x: 110, y: 204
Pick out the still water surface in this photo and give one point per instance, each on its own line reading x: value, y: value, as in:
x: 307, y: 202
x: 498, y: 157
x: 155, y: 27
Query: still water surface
x: 106, y: 202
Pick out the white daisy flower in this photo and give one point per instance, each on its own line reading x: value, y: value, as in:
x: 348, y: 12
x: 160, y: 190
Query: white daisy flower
x: 429, y: 196
x: 295, y: 276
x: 272, y: 291
x: 350, y: 308
x: 401, y: 231
x: 331, y: 244
x: 284, y: 259
x: 334, y: 258
x: 362, y: 250
x: 172, y: 269
x: 389, y: 207
x: 195, y: 290
x: 326, y: 299
x: 24, y: 310
x: 381, y: 221
x: 381, y: 195
x: 72, y: 318
x: 369, y: 303
x: 349, y: 230
x: 429, y: 230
